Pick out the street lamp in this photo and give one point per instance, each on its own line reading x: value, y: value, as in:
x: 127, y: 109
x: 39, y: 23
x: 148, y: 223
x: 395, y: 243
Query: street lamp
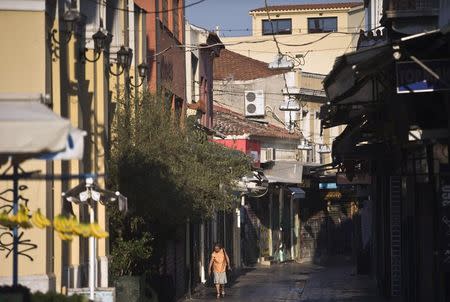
x: 324, y: 149
x: 142, y: 72
x: 124, y: 59
x: 101, y: 40
x: 88, y: 193
x: 304, y: 145
x: 71, y: 19
x: 290, y: 106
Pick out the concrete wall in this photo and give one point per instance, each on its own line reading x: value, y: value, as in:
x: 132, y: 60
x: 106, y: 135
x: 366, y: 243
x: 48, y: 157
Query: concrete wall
x: 231, y: 94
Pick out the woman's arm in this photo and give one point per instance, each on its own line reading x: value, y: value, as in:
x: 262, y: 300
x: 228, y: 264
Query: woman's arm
x: 210, y: 265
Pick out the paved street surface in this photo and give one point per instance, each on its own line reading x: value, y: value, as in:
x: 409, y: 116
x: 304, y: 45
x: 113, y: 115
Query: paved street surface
x: 297, y: 282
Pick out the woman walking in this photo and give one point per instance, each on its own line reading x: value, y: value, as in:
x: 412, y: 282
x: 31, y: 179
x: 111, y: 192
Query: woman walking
x: 218, y: 266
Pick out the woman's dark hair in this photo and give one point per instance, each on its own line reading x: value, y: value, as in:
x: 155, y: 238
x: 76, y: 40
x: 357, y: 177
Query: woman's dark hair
x: 218, y: 245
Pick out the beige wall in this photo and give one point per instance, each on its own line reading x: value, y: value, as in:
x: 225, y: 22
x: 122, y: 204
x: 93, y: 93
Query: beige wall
x: 319, y: 52
x: 300, y: 19
x: 23, y: 51
x: 30, y: 69
x: 24, y: 71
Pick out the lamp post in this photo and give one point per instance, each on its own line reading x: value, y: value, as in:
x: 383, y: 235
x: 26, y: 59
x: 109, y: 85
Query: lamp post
x: 90, y: 196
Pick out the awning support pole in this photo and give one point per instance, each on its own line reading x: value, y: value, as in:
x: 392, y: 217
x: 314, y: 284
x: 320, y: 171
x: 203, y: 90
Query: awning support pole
x: 16, y: 228
x: 92, y: 255
x: 429, y: 70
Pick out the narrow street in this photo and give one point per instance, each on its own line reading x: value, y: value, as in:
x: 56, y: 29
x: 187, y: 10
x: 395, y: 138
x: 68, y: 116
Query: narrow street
x: 298, y: 282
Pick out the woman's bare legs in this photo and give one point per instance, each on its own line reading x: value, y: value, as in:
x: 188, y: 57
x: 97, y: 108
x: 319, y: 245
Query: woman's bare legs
x: 218, y: 289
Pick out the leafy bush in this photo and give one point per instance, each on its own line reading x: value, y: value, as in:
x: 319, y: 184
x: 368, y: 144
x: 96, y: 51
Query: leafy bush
x: 25, y: 295
x: 169, y: 171
x: 53, y: 297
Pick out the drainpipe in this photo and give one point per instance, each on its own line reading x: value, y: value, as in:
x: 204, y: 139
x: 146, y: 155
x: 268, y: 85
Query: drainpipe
x: 270, y: 224
x: 188, y: 256
x: 280, y: 214
x: 202, y: 253
x: 291, y: 223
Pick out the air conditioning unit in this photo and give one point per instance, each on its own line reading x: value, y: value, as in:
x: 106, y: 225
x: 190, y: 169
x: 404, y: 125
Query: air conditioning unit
x: 254, y: 103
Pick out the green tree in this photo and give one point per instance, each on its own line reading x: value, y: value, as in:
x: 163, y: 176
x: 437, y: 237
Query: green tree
x: 169, y: 171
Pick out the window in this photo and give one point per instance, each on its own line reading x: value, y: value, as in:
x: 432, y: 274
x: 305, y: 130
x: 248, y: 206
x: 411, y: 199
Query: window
x: 280, y: 27
x: 175, y: 12
x: 165, y: 13
x: 322, y: 25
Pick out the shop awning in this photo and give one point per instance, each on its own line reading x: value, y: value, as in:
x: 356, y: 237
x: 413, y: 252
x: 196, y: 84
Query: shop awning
x: 285, y: 172
x: 29, y: 128
x: 297, y: 193
x: 348, y: 81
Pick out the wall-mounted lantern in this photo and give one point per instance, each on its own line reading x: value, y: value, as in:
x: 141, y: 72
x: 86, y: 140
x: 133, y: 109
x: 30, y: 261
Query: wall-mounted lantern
x: 124, y: 59
x: 71, y: 18
x: 101, y: 39
x: 142, y: 72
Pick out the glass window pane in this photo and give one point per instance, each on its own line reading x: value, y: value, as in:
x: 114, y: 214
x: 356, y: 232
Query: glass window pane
x: 284, y: 26
x: 267, y: 27
x: 330, y: 24
x: 319, y: 25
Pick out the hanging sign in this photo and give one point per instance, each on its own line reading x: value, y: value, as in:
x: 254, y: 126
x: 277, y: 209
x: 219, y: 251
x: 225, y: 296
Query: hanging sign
x: 413, y: 78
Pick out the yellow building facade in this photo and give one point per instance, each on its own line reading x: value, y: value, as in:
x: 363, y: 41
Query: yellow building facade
x: 49, y: 55
x: 299, y: 33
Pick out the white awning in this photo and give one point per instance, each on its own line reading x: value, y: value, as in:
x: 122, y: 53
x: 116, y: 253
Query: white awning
x: 289, y: 172
x: 28, y: 127
x: 297, y: 192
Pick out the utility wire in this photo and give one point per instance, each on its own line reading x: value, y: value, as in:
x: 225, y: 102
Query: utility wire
x: 105, y: 3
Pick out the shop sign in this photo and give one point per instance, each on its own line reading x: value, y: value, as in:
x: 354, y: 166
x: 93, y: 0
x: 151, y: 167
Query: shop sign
x: 412, y: 78
x: 444, y: 221
x: 327, y: 186
x: 333, y: 195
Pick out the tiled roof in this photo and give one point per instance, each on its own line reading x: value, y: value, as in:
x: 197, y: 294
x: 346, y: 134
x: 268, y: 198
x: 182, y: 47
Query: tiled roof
x: 310, y: 6
x: 231, y: 65
x: 232, y: 123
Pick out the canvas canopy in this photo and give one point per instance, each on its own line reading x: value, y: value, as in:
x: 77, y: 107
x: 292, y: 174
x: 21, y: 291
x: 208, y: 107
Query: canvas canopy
x: 29, y: 127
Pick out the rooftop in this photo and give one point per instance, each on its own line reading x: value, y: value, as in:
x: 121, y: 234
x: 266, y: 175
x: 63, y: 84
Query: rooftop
x: 229, y: 122
x: 234, y: 66
x: 310, y: 6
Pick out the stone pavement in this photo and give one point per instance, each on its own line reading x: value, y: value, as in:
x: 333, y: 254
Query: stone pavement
x: 336, y: 283
x: 297, y: 282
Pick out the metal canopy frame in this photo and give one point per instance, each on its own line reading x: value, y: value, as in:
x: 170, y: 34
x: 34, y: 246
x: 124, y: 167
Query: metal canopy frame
x: 15, y: 173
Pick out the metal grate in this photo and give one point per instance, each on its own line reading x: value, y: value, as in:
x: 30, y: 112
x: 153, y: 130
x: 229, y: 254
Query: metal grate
x: 395, y: 221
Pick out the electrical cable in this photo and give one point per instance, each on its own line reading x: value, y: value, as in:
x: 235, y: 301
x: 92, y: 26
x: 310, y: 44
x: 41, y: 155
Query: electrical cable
x: 280, y: 54
x: 105, y: 3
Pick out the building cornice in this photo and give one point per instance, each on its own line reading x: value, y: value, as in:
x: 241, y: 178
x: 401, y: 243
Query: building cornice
x: 23, y: 5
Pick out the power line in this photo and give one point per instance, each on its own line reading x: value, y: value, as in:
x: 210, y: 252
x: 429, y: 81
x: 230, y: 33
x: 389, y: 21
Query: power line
x: 288, y: 52
x: 261, y: 30
x: 105, y: 3
x: 276, y: 43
